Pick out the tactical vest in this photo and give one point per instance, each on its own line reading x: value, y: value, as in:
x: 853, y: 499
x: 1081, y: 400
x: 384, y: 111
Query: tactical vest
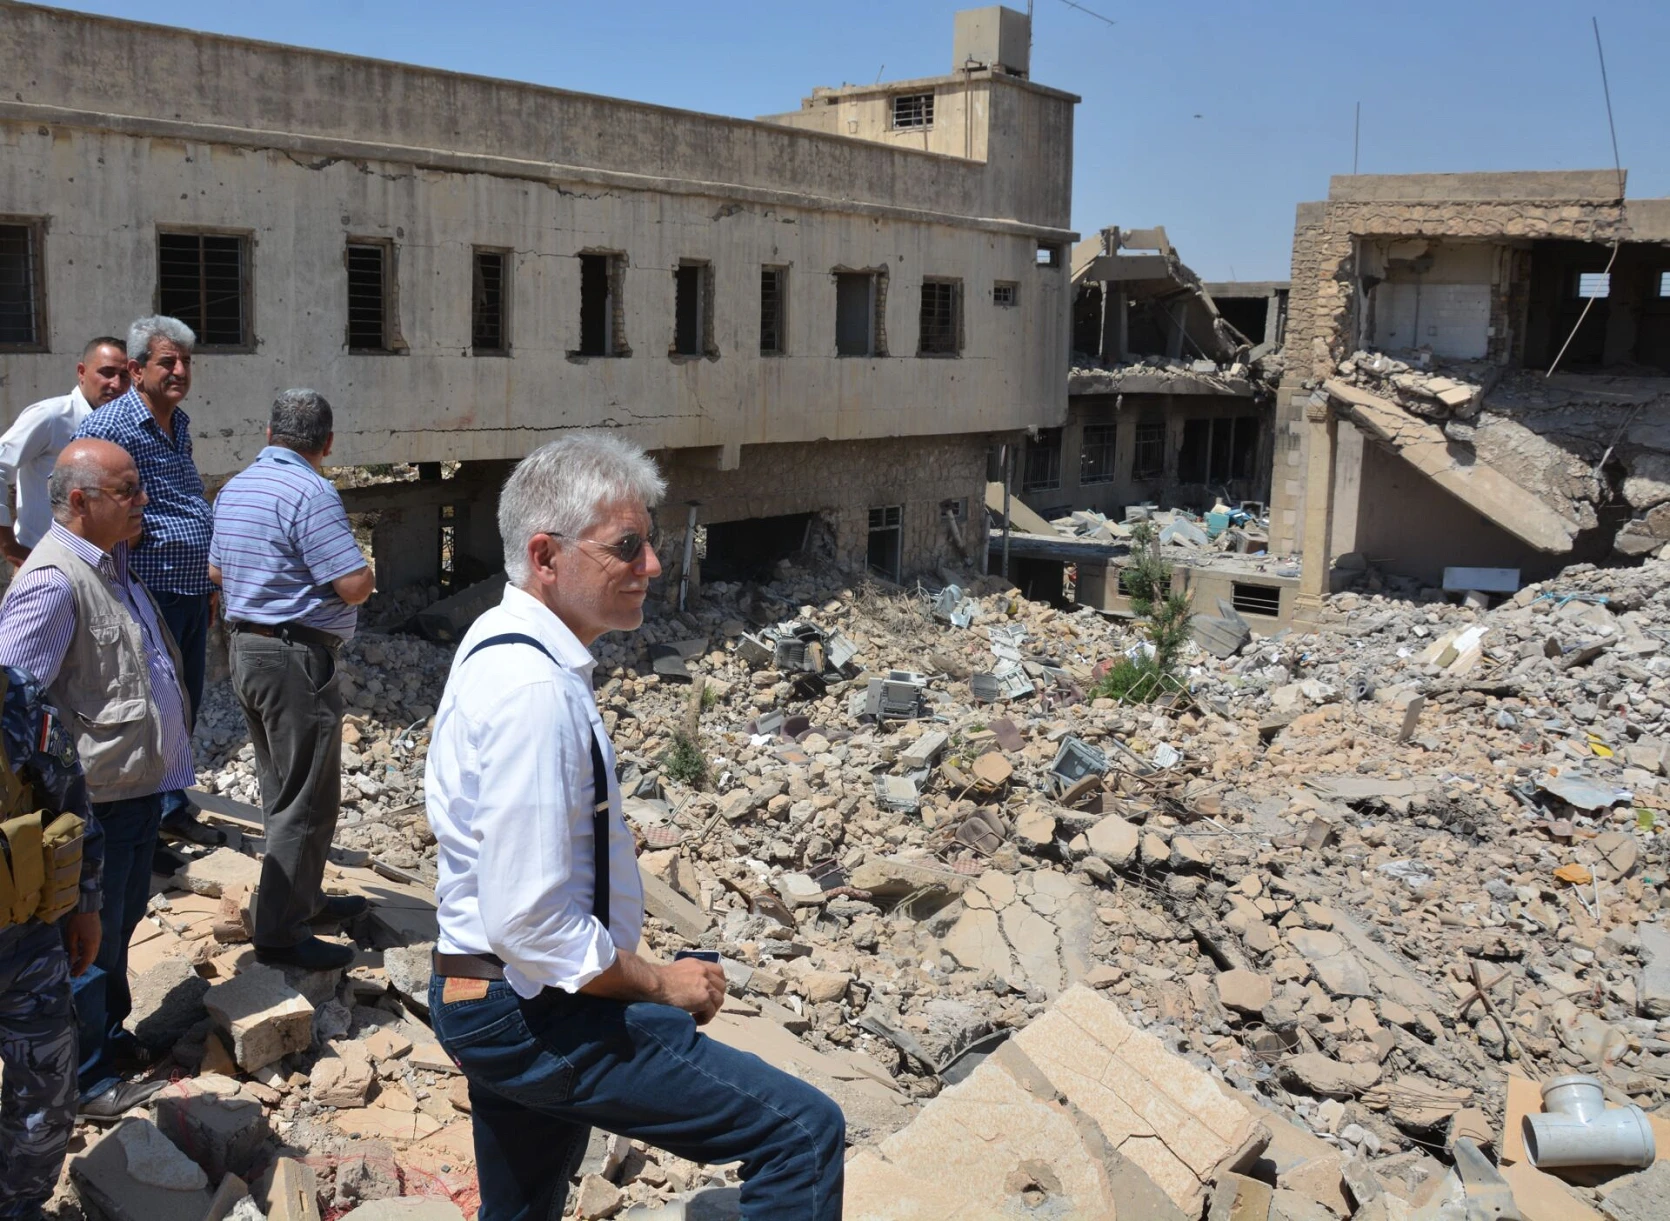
x: 40, y: 853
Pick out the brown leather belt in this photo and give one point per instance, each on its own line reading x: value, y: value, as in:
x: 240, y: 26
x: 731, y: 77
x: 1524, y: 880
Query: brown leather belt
x: 466, y: 966
x: 293, y: 633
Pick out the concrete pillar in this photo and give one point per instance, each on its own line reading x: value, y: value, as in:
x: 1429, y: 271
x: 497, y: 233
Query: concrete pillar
x: 1322, y: 441
x: 406, y: 547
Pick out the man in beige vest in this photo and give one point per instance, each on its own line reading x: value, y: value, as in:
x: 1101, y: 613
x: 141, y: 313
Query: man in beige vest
x: 87, y: 629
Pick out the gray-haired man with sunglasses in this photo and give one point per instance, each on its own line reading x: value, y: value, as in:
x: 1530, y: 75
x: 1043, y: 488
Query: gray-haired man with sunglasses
x: 539, y: 992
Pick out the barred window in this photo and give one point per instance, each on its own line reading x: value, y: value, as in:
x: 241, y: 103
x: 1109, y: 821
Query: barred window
x: 203, y: 280
x: 490, y: 303
x: 1096, y: 453
x: 22, y: 306
x: 941, y: 318
x: 913, y: 110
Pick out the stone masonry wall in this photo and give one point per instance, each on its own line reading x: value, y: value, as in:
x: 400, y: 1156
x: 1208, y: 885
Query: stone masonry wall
x: 841, y: 481
x: 1319, y: 327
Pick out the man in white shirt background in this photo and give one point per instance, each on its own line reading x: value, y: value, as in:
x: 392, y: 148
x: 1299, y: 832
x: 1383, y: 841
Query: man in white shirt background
x: 538, y: 991
x: 32, y: 444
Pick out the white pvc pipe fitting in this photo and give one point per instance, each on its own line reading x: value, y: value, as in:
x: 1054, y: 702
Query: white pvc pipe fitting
x: 1577, y: 1129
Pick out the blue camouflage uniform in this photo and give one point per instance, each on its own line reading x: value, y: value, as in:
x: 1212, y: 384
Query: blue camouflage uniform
x: 37, y: 1022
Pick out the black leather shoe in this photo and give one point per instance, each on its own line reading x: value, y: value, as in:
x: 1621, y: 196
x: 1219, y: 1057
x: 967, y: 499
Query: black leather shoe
x: 185, y: 826
x: 310, y: 953
x: 339, y: 909
x: 165, y: 862
x: 119, y: 1099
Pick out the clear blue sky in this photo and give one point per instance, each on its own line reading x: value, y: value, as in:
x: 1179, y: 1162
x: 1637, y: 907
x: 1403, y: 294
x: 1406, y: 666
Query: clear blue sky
x: 1213, y: 119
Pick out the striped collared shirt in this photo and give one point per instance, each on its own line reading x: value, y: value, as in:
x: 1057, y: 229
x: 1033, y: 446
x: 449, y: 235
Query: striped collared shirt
x: 281, y: 538
x: 38, y: 620
x: 173, y: 555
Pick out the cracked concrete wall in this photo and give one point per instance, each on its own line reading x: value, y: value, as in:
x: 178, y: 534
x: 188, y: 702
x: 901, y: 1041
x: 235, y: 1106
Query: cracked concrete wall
x: 299, y: 149
x: 1579, y: 205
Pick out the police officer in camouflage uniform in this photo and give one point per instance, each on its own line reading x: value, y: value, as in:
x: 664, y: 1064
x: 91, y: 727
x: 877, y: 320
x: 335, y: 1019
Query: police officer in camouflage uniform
x: 37, y: 1022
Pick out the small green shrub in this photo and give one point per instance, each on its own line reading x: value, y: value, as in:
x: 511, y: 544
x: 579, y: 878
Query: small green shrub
x: 685, y: 762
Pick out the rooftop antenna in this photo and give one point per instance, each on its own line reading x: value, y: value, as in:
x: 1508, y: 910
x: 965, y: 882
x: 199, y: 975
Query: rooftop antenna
x: 1356, y: 138
x: 879, y: 71
x: 1087, y: 12
x: 1618, y: 241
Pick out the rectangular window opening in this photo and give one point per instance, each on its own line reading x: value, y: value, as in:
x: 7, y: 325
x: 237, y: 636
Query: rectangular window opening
x: 1595, y: 284
x: 1043, y: 462
x: 858, y: 297
x: 1005, y: 294
x: 886, y: 544
x: 22, y: 295
x: 1249, y: 599
x: 203, y: 280
x: 602, y: 313
x: 692, y: 309
x: 1096, y: 453
x: 490, y: 303
x: 1148, y: 458
x: 941, y: 318
x: 1049, y: 254
x: 774, y: 303
x: 370, y: 281
x: 913, y: 110
x: 1664, y: 284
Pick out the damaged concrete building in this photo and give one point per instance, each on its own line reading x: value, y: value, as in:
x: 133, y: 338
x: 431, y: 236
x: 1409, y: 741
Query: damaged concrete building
x: 1427, y: 313
x: 821, y: 320
x: 1168, y: 402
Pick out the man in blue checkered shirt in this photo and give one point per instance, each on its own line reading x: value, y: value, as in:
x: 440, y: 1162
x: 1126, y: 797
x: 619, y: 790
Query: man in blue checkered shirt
x: 172, y: 557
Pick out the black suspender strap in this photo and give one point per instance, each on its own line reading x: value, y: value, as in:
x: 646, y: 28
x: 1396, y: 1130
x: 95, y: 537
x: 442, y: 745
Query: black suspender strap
x: 600, y: 788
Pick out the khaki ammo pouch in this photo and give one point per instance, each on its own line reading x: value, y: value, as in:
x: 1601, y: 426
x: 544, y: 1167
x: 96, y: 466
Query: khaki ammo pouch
x: 40, y: 856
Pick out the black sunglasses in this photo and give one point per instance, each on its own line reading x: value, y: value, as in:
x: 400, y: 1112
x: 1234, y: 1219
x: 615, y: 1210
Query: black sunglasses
x: 627, y: 550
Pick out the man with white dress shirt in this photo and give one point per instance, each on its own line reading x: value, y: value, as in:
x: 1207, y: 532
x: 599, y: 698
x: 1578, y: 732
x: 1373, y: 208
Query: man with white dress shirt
x: 538, y: 991
x: 32, y: 444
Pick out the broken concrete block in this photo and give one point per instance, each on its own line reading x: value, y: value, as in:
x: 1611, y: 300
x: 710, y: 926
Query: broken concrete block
x: 210, y: 1119
x: 1079, y: 1114
x: 343, y: 1076
x: 1291, y: 1206
x: 672, y: 908
x: 1155, y: 1108
x: 408, y: 1208
x: 222, y: 870
x: 1114, y: 840
x: 167, y: 1002
x: 1326, y: 1077
x: 923, y: 751
x: 232, y: 1201
x: 1652, y: 990
x: 135, y: 1173
x: 1244, y: 991
x: 894, y: 878
x: 1235, y: 1197
x: 1335, y: 965
x: 366, y: 1170
x: 408, y: 972
x: 976, y: 942
x: 266, y: 1018
x: 821, y: 986
x: 597, y: 1198
x: 1638, y: 1197
x: 289, y: 1191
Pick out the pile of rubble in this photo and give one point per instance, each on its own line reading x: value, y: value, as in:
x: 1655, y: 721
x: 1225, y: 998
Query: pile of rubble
x: 1288, y: 946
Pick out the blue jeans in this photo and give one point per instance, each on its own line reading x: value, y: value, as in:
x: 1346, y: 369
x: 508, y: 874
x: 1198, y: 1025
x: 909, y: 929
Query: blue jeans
x: 543, y: 1072
x: 102, y: 998
x: 187, y: 617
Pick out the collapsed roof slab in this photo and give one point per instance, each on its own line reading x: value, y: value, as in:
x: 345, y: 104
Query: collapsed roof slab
x: 1483, y: 488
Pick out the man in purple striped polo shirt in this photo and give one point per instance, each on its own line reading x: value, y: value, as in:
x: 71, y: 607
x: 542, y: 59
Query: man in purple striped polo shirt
x: 79, y: 620
x: 290, y: 576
